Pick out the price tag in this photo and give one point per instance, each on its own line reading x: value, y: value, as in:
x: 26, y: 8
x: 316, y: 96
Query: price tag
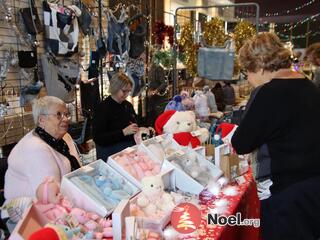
x: 240, y: 180
x: 158, y: 139
x: 196, y: 133
x: 87, y: 168
x: 129, y: 150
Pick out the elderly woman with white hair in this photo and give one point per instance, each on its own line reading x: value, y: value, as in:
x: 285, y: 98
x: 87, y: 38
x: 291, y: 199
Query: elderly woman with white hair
x: 47, y: 150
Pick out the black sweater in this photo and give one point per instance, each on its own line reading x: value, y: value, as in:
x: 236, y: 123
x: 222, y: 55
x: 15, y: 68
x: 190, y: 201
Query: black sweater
x: 285, y: 116
x: 109, y: 119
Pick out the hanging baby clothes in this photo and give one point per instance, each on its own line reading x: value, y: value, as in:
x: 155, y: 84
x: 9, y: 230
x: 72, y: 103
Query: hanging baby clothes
x: 61, y: 28
x: 60, y: 77
x: 118, y: 33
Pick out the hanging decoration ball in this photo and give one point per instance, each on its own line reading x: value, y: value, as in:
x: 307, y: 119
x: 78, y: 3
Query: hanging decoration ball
x: 189, y: 48
x: 243, y: 31
x: 213, y: 32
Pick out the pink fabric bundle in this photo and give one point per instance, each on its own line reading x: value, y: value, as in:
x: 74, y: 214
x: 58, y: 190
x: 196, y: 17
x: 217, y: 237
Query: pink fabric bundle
x: 138, y: 164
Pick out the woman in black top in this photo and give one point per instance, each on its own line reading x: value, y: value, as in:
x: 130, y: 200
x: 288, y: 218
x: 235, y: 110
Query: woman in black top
x: 114, y: 120
x: 282, y: 122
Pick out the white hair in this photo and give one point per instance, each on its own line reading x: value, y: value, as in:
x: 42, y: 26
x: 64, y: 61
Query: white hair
x: 41, y: 106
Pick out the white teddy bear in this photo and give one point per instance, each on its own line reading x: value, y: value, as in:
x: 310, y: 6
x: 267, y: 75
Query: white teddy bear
x: 153, y: 198
x: 183, y: 127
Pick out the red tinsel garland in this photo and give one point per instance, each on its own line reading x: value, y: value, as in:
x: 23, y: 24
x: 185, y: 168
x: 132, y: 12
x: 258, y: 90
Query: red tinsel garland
x: 160, y: 31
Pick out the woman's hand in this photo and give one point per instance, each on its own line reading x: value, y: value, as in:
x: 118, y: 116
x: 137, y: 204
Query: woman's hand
x: 131, y: 129
x: 217, y: 115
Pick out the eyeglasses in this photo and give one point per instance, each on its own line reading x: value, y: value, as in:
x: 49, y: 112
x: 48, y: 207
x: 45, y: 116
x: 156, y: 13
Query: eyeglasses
x: 60, y: 115
x: 126, y: 91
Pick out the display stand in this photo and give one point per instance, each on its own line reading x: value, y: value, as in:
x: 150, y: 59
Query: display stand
x: 175, y: 45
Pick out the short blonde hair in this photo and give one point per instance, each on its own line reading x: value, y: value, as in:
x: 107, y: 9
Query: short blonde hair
x: 264, y: 51
x: 119, y: 81
x: 41, y: 106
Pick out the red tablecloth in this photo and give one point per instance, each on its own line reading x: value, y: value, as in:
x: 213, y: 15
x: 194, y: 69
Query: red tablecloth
x: 245, y: 202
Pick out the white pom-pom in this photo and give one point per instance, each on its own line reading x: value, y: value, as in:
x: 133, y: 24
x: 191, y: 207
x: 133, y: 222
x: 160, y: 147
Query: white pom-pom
x: 214, y: 188
x: 230, y: 191
x: 170, y: 233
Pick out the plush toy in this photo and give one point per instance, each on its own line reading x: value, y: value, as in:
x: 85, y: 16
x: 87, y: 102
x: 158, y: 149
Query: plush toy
x: 183, y: 127
x: 153, y: 200
x: 190, y: 164
x: 51, y: 202
x: 138, y: 164
x: 58, y: 209
x: 144, y: 134
x: 175, y: 104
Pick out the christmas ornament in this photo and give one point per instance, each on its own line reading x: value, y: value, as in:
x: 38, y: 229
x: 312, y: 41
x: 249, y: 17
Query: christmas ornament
x: 243, y: 31
x: 213, y: 32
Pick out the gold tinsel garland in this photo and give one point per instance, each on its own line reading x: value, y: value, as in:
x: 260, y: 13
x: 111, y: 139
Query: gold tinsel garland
x: 213, y: 32
x: 189, y: 49
x: 243, y: 31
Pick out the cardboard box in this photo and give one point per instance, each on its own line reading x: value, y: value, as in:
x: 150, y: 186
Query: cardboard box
x: 82, y: 198
x: 115, y: 165
x: 32, y: 220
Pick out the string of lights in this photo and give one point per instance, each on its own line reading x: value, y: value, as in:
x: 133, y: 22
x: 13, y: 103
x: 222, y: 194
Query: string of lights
x: 291, y: 10
x: 287, y: 36
x: 280, y: 13
x: 291, y: 27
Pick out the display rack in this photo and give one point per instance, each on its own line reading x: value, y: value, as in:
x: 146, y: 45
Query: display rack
x: 175, y: 45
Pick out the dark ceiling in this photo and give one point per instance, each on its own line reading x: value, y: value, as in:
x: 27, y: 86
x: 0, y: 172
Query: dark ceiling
x: 303, y: 19
x: 281, y: 6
